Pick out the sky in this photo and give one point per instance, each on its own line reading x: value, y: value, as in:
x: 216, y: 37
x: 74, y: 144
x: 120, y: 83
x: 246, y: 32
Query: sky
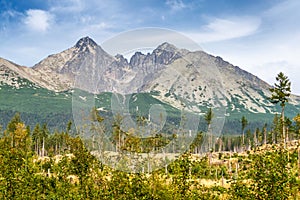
x: 260, y: 36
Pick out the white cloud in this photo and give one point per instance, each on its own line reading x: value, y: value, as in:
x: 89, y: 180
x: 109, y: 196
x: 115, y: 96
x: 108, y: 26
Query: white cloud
x: 176, y: 5
x: 271, y: 49
x: 38, y: 20
x: 224, y: 29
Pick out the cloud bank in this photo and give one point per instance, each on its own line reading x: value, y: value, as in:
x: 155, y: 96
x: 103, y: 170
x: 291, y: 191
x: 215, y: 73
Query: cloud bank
x: 38, y: 20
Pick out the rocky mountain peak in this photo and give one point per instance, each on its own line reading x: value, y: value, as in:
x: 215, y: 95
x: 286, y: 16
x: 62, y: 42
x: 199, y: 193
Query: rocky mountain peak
x: 137, y: 59
x: 166, y: 53
x: 120, y: 58
x: 86, y: 42
x: 166, y: 47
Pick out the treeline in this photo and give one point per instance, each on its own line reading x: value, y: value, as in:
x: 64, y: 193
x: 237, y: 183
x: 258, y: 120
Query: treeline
x: 58, y: 121
x: 46, y: 142
x: 275, y: 133
x: 54, y: 121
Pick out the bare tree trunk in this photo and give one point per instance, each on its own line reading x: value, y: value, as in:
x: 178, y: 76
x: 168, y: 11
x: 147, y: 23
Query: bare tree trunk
x: 249, y: 147
x: 222, y: 179
x: 220, y: 144
x: 255, y: 139
x: 210, y: 138
x: 265, y: 136
x: 229, y: 144
x: 166, y: 169
x: 283, y: 127
x: 236, y: 170
x: 209, y: 158
x: 43, y: 148
x: 243, y: 138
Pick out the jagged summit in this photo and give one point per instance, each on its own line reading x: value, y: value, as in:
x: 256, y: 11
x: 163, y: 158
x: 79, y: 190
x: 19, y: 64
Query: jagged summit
x: 167, y: 46
x: 86, y: 41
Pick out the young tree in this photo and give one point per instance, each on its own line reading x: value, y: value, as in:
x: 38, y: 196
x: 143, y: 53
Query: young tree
x: 208, y: 118
x: 69, y: 127
x: 244, y: 124
x: 44, y: 135
x: 117, y: 132
x: 36, y: 137
x: 22, y: 137
x: 95, y: 116
x: 280, y: 94
x: 197, y: 143
x: 96, y: 128
x: 256, y: 137
x: 12, y: 126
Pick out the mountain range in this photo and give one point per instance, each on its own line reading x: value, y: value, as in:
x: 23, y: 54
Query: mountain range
x: 179, y: 78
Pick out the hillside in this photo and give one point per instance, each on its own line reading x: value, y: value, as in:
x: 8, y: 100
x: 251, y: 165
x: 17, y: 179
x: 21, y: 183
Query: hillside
x: 184, y: 80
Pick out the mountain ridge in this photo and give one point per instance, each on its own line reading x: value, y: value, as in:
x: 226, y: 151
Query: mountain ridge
x: 238, y: 90
x: 88, y: 42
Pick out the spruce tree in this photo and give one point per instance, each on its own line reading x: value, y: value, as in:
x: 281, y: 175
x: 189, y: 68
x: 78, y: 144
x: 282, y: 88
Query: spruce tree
x: 280, y: 94
x: 244, y: 124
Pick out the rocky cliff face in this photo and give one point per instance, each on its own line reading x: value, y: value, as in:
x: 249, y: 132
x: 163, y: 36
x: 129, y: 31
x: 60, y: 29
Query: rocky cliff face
x: 182, y: 78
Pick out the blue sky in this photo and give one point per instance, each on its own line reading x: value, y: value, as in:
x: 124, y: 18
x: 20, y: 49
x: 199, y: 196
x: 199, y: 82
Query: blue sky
x: 260, y: 36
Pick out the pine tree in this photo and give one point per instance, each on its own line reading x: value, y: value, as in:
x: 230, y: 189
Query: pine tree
x: 280, y: 94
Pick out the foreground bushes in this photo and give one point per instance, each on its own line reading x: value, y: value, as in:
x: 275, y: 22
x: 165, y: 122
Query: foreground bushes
x: 73, y: 173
